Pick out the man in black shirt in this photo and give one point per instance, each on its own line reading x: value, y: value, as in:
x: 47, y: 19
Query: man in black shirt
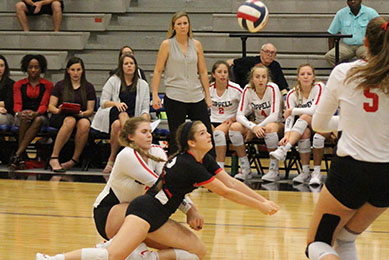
x: 242, y: 66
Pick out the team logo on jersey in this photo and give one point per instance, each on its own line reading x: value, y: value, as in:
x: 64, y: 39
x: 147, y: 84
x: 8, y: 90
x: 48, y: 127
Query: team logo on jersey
x: 264, y: 105
x: 222, y: 104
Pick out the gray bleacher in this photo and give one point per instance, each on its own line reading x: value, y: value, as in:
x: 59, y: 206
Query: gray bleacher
x: 95, y: 30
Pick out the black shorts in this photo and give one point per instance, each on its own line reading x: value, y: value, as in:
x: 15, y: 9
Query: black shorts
x: 149, y: 209
x: 215, y: 124
x: 100, y: 214
x: 56, y: 120
x: 46, y: 9
x: 353, y: 182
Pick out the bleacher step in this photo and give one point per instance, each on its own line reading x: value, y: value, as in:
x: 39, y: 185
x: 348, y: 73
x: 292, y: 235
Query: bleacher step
x: 55, y: 59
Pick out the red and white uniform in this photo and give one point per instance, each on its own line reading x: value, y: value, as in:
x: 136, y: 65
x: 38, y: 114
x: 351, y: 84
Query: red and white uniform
x: 265, y: 110
x: 225, y: 106
x: 363, y: 119
x: 304, y: 105
x: 131, y: 176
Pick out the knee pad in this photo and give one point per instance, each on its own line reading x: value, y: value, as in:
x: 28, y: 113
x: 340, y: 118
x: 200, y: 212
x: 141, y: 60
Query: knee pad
x: 318, y: 141
x: 185, y: 255
x: 304, y: 145
x: 220, y: 138
x: 300, y: 126
x: 94, y: 254
x: 271, y: 140
x: 346, y: 235
x: 317, y: 250
x: 236, y: 138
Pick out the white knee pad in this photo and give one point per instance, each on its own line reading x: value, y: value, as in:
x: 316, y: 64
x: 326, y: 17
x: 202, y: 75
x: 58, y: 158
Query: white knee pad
x: 300, y: 126
x: 318, y: 141
x: 304, y: 145
x: 345, y: 245
x: 271, y: 140
x: 185, y: 255
x: 236, y: 138
x: 220, y: 138
x: 94, y: 254
x: 317, y: 250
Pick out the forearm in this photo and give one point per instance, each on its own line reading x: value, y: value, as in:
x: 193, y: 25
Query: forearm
x: 205, y: 83
x: 109, y: 104
x: 155, y: 84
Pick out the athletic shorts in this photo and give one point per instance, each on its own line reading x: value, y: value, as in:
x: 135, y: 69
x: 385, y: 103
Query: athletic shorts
x: 100, y: 213
x: 149, y: 209
x: 215, y: 124
x: 46, y: 9
x: 353, y: 182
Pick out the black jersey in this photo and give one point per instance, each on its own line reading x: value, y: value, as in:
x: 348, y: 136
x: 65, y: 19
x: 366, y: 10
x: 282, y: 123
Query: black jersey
x: 182, y: 175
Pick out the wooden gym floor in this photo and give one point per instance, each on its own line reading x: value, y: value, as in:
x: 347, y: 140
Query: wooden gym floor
x: 38, y: 216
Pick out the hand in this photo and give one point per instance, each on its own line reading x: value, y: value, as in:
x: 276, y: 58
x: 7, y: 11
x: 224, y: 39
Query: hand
x: 268, y: 207
x: 230, y: 62
x: 208, y: 101
x: 26, y: 116
x: 283, y: 141
x: 259, y: 131
x: 194, y: 219
x: 38, y: 6
x: 156, y: 102
x: 122, y: 107
x: 228, y: 121
x: 81, y: 114
x: 3, y: 110
x: 287, y: 113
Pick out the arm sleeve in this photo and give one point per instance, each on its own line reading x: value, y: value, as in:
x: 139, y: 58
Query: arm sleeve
x: 131, y: 163
x: 275, y: 110
x: 310, y: 110
x: 323, y: 119
x: 45, y: 99
x: 18, y: 105
x: 107, y: 92
x: 244, y: 109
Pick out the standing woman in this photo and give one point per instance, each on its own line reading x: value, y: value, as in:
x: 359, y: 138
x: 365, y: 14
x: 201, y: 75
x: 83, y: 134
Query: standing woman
x: 74, y: 88
x: 225, y: 96
x: 302, y: 102
x: 263, y: 99
x: 124, y: 95
x: 356, y: 190
x: 181, y: 58
x: 6, y: 94
x: 148, y: 215
x: 31, y: 98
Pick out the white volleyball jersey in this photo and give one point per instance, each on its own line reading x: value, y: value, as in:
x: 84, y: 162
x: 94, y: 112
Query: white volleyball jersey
x: 302, y: 105
x: 363, y: 118
x: 265, y: 110
x: 131, y: 176
x: 225, y: 106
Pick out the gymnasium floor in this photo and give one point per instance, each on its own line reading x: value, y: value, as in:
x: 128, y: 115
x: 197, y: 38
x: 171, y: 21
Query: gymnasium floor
x: 39, y: 216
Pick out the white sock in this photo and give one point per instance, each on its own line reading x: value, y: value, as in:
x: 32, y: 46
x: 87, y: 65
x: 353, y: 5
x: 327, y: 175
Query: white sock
x: 221, y: 164
x: 94, y: 254
x: 245, y: 164
x: 345, y: 245
x: 60, y: 257
x: 273, y: 166
x: 305, y: 168
x: 185, y: 255
x: 316, y: 169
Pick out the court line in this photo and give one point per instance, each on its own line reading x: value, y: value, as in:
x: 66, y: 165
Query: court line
x: 205, y: 224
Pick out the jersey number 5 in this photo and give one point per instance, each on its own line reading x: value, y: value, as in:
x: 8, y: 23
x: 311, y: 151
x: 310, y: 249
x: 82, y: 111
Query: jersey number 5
x: 373, y: 105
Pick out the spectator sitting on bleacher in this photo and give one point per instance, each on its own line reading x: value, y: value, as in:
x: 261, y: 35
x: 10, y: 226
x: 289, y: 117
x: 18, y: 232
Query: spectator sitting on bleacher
x: 31, y: 98
x: 302, y: 101
x: 242, y: 66
x: 225, y: 96
x: 127, y: 49
x: 74, y: 88
x: 352, y: 19
x: 124, y: 95
x: 37, y: 7
x: 6, y: 94
x: 263, y: 99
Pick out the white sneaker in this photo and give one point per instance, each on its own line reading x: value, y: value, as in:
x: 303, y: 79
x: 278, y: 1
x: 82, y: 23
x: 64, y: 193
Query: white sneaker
x: 316, y: 179
x: 140, y: 253
x: 271, y: 176
x: 40, y: 256
x: 302, y: 177
x: 280, y: 153
x: 243, y: 176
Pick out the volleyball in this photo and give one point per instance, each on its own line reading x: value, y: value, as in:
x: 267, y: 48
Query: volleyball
x: 253, y: 15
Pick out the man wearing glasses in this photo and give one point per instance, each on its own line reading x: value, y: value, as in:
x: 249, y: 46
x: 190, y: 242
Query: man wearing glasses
x: 242, y: 66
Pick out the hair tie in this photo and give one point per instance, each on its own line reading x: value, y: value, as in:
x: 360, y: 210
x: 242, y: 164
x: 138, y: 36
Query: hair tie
x: 185, y: 133
x: 385, y: 26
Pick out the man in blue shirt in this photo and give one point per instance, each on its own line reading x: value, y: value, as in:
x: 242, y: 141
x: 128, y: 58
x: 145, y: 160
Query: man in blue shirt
x: 352, y: 19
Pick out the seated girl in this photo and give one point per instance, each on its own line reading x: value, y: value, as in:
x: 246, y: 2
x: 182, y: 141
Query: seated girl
x: 225, y: 96
x: 263, y: 99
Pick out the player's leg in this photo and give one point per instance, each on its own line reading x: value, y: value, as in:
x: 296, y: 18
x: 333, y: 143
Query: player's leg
x: 236, y: 134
